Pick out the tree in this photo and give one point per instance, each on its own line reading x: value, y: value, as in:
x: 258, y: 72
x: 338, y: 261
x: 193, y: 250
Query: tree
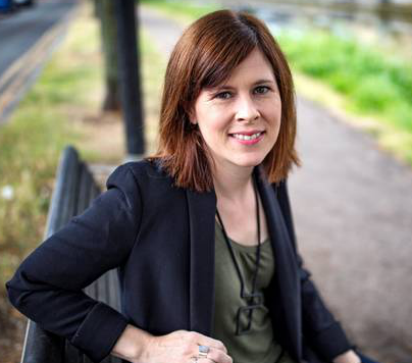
x: 129, y: 75
x: 108, y: 20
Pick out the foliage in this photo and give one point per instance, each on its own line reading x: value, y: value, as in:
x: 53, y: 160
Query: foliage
x: 373, y: 82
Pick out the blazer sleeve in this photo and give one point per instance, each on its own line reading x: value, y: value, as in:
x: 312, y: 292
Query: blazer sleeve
x: 47, y: 287
x: 320, y: 328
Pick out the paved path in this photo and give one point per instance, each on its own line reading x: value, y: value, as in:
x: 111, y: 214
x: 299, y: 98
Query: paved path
x: 353, y: 212
x: 27, y: 37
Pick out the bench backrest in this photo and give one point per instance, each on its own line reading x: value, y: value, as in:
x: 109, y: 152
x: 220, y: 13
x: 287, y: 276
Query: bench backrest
x: 74, y: 191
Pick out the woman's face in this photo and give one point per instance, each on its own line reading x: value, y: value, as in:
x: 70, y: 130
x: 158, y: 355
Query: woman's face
x: 240, y: 119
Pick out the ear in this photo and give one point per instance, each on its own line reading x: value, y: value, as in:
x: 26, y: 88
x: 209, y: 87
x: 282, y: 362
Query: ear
x: 192, y: 116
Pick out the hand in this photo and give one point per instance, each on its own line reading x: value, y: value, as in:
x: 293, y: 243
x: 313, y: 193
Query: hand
x: 181, y: 347
x: 348, y: 357
x: 138, y: 346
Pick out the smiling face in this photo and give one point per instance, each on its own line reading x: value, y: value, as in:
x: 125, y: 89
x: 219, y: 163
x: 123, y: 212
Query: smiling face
x: 240, y: 119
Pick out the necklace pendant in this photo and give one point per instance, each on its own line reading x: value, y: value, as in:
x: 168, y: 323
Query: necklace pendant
x: 244, y: 314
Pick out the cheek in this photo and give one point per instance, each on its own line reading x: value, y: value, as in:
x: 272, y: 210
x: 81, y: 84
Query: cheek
x: 208, y: 129
x: 273, y: 115
x: 212, y: 123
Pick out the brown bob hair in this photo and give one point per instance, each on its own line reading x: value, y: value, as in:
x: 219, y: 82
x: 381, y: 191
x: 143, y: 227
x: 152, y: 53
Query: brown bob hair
x: 205, y: 56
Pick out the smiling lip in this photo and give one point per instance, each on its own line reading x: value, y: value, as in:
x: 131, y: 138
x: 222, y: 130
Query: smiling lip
x: 248, y: 137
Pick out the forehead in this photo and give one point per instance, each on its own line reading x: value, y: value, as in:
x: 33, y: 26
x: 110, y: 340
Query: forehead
x: 254, y: 67
x: 254, y: 64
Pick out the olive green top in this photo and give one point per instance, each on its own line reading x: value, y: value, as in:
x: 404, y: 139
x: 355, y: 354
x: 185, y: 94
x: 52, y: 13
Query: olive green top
x: 258, y: 345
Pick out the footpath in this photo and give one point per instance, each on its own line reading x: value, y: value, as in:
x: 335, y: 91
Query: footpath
x: 352, y: 204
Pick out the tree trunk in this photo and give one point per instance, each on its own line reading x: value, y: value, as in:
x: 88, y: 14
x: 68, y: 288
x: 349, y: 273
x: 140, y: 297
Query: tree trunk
x: 109, y: 44
x: 129, y: 75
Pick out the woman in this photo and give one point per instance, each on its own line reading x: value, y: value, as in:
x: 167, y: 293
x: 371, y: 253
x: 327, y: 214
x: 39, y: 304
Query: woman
x: 201, y: 232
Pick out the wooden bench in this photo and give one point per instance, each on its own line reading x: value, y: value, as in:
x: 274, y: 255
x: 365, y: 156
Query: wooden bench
x: 74, y: 191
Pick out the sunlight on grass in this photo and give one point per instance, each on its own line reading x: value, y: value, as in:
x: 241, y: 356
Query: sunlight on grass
x: 32, y: 140
x: 375, y: 83
x: 368, y: 83
x: 63, y: 107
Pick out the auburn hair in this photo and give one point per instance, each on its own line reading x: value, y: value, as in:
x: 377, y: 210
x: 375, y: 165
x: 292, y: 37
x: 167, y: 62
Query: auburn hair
x: 205, y: 56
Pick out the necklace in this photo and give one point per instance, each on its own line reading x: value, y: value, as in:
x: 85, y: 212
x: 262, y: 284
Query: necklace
x: 253, y: 300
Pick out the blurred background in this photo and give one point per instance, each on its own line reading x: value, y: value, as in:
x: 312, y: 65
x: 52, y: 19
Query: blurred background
x: 65, y: 78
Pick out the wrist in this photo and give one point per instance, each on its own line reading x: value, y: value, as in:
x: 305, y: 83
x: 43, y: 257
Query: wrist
x: 132, y: 344
x: 348, y: 357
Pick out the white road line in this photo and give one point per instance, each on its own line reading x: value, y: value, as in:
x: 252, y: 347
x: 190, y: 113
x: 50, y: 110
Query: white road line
x: 21, y: 70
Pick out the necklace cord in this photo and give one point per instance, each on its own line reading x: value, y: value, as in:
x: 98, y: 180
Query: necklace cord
x: 250, y: 298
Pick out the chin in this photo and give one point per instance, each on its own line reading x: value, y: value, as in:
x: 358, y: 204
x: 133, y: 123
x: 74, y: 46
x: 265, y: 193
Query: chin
x: 252, y: 162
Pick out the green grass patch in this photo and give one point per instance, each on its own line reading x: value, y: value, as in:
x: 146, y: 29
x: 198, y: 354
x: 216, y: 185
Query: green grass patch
x: 51, y: 116
x: 373, y: 83
x: 32, y: 140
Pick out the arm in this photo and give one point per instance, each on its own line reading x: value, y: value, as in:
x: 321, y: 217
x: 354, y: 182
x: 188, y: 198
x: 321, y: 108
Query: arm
x: 48, y: 285
x: 320, y: 327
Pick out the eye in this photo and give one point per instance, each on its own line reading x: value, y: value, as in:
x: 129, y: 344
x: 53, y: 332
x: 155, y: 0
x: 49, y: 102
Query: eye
x: 223, y: 95
x: 261, y: 90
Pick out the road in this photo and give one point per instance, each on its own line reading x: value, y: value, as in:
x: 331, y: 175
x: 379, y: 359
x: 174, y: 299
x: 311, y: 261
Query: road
x: 26, y: 39
x: 352, y: 203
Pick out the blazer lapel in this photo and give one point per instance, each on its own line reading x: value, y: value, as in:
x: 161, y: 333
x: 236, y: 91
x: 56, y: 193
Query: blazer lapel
x: 202, y: 207
x: 286, y: 272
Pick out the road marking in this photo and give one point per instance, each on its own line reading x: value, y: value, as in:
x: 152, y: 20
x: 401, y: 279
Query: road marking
x: 21, y: 70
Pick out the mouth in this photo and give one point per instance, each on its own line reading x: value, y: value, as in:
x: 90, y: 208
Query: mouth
x: 248, y: 138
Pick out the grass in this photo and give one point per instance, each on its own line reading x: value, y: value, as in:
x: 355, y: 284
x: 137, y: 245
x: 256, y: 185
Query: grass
x: 31, y: 142
x: 373, y: 88
x: 373, y: 83
x: 63, y: 107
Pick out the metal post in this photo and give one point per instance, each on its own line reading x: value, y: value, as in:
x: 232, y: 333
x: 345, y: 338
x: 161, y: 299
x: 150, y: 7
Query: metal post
x: 130, y: 85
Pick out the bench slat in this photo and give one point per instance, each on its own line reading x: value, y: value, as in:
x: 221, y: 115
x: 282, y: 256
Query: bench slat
x: 74, y: 191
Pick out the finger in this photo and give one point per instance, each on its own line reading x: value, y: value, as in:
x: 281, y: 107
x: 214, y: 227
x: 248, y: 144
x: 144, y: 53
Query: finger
x: 216, y: 356
x: 200, y: 339
x: 211, y: 343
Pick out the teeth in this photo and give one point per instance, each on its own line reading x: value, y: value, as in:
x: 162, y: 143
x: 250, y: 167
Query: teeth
x: 247, y: 137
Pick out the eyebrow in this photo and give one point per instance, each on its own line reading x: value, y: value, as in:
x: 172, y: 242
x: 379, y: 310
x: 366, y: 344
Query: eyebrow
x: 224, y: 86
x: 264, y: 81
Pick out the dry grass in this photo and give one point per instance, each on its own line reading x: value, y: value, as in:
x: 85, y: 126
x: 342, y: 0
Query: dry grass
x: 63, y: 107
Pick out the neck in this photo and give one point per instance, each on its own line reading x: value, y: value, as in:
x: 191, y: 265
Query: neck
x: 232, y: 183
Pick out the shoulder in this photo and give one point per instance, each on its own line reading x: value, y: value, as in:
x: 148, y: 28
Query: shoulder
x: 142, y: 179
x: 142, y: 169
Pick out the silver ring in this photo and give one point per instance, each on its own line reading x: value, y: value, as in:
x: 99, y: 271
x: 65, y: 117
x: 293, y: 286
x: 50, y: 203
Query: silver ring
x: 203, y: 351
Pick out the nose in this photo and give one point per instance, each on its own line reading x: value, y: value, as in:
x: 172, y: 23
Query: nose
x: 246, y: 109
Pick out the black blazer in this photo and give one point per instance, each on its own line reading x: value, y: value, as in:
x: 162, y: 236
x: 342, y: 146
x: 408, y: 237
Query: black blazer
x: 162, y: 240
